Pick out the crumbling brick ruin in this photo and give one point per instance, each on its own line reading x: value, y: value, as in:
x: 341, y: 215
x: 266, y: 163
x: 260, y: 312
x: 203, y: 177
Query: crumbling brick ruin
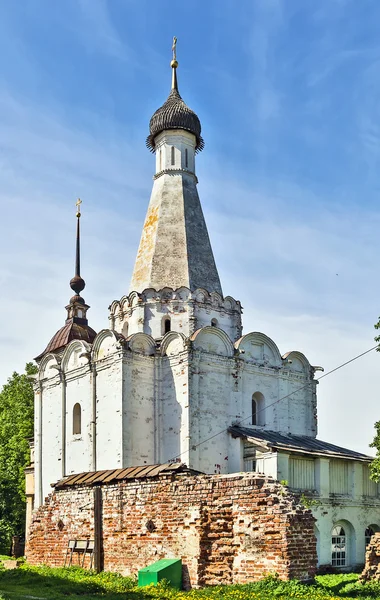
x: 226, y: 528
x: 372, y: 559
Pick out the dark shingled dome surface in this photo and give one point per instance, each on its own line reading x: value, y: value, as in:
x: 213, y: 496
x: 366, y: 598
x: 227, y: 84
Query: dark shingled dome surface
x: 174, y: 114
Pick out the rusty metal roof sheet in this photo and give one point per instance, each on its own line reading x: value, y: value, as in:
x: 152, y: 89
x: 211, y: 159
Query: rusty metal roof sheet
x: 70, y: 331
x: 113, y: 475
x: 301, y: 444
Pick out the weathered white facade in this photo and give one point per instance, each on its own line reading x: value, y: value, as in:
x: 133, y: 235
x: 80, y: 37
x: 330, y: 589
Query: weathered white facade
x: 174, y: 372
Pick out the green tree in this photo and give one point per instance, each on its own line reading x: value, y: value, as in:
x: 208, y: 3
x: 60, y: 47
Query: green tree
x: 16, y: 425
x: 375, y: 464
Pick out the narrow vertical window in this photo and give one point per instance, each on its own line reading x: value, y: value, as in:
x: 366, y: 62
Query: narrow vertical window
x: 77, y: 419
x: 167, y: 325
x: 172, y: 155
x: 254, y: 412
x: 160, y: 161
x: 186, y: 158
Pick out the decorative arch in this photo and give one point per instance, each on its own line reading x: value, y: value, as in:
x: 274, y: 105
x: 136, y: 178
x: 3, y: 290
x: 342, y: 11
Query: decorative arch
x: 149, y: 294
x: 134, y: 298
x: 213, y: 340
x: 114, y: 307
x: 182, y: 293
x: 124, y: 303
x: 258, y: 348
x: 166, y: 293
x: 142, y: 343
x: 75, y: 355
x: 297, y: 362
x: 229, y: 303
x: 216, y: 299
x: 201, y: 295
x: 49, y: 366
x: 105, y: 343
x: 173, y: 343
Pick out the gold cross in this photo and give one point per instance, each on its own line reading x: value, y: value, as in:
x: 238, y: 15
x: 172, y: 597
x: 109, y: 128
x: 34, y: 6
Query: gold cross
x: 77, y: 204
x: 174, y: 48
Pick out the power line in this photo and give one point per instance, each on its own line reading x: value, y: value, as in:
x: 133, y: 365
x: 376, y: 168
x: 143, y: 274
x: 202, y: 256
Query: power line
x: 283, y: 398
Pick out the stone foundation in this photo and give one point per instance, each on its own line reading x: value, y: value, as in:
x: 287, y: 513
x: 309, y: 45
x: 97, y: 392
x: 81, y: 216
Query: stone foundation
x: 227, y: 529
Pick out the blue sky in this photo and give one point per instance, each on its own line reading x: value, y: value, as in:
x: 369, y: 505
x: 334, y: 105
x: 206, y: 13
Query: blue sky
x: 288, y: 93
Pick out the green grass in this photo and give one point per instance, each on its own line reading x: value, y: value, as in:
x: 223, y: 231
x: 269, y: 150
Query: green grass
x: 75, y: 583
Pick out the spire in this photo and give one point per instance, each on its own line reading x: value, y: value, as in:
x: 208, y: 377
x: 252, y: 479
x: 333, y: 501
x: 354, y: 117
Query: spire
x: 174, y: 65
x: 77, y: 284
x: 76, y: 327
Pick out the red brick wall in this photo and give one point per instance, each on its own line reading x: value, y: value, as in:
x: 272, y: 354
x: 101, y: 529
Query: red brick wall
x: 226, y: 529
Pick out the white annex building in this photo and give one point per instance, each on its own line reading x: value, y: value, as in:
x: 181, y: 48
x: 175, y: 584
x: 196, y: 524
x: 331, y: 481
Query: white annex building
x: 174, y: 378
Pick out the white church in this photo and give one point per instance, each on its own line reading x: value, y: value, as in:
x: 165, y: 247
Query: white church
x: 173, y: 377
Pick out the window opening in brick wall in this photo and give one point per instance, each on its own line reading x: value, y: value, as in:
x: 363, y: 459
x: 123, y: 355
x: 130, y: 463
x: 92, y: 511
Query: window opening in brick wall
x: 77, y: 419
x: 172, y: 155
x: 338, y: 547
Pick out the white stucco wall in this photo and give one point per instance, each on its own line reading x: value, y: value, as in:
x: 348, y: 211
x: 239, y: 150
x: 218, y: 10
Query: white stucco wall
x: 139, y: 410
x: 48, y: 455
x: 78, y: 446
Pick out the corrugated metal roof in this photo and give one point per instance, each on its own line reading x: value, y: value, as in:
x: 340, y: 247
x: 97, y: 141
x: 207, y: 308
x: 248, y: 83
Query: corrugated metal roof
x: 112, y: 475
x: 295, y: 443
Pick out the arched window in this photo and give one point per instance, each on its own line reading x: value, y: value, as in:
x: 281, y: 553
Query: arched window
x: 338, y: 546
x: 77, y: 419
x: 186, y: 158
x: 214, y: 322
x: 254, y: 411
x: 166, y: 327
x: 172, y: 155
x: 369, y: 532
x: 258, y: 409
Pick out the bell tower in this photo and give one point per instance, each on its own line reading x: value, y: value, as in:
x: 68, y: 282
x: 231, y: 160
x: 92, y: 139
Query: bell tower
x: 175, y: 283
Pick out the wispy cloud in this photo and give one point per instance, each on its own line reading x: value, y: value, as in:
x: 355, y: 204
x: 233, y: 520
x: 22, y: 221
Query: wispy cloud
x: 98, y: 32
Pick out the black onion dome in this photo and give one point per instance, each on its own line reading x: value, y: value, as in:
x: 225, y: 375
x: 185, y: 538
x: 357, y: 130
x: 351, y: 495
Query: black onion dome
x: 174, y: 114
